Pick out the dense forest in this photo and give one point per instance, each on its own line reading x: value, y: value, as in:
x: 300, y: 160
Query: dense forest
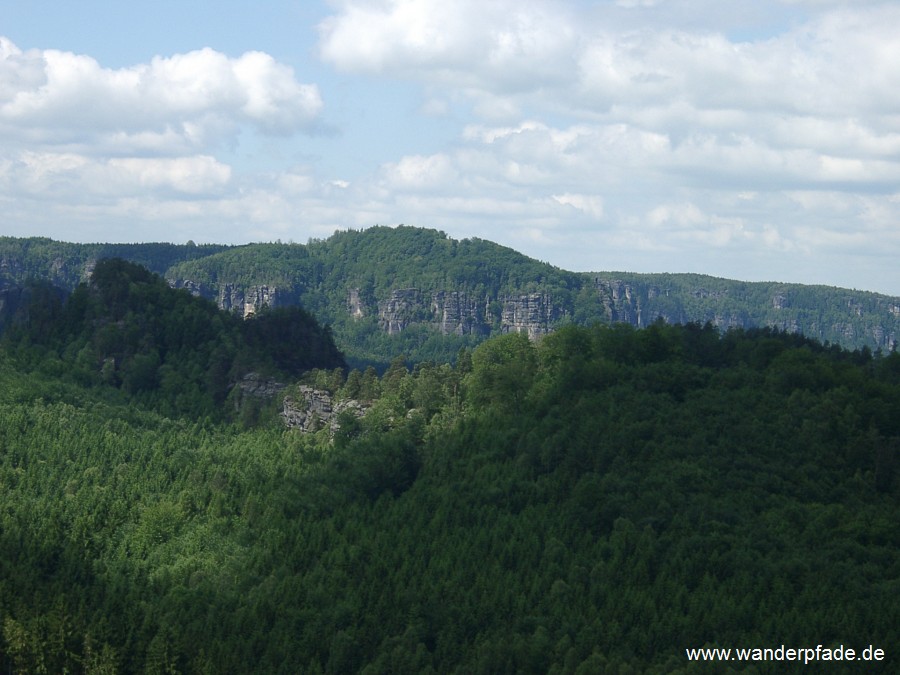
x: 168, y: 349
x: 594, y: 501
x: 385, y: 291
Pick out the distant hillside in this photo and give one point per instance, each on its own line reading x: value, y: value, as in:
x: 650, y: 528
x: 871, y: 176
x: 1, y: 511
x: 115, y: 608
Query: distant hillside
x: 67, y: 265
x: 129, y: 330
x: 415, y: 291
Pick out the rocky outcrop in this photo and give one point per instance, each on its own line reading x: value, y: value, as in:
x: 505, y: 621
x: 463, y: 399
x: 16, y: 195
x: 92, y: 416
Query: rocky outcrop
x: 532, y: 314
x: 257, y: 386
x: 619, y: 301
x: 623, y: 303
x: 248, y: 301
x: 883, y: 337
x: 640, y: 305
x: 310, y: 410
x: 403, y: 307
x: 355, y: 305
x: 242, y: 300
x: 729, y: 320
x: 461, y: 313
x: 458, y: 313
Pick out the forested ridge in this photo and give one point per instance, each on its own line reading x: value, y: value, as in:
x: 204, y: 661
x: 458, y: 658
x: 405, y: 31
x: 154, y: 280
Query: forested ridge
x: 385, y: 291
x: 167, y: 349
x: 67, y: 264
x: 595, y: 501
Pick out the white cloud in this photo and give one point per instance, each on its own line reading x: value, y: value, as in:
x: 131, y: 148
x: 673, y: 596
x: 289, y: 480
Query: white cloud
x: 189, y: 175
x: 83, y: 146
x: 592, y: 205
x: 419, y: 172
x: 183, y: 103
x: 641, y: 135
x: 513, y: 46
x: 68, y: 176
x: 505, y: 55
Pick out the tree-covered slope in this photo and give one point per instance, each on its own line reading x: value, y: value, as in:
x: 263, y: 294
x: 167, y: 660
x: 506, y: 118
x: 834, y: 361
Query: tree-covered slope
x: 128, y: 329
x: 851, y: 318
x: 381, y: 258
x: 387, y: 291
x: 350, y: 279
x: 66, y: 264
x: 596, y: 502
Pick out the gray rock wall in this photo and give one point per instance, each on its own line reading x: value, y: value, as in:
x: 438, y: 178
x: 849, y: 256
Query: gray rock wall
x: 313, y: 409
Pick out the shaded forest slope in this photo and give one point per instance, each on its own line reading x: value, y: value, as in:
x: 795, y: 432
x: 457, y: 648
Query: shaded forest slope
x: 594, y: 502
x: 127, y: 329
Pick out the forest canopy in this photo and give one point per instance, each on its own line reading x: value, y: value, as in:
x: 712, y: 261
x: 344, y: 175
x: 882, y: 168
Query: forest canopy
x: 128, y: 329
x: 596, y: 501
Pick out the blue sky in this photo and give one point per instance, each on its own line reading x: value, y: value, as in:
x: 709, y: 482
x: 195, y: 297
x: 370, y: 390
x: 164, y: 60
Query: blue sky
x: 756, y: 141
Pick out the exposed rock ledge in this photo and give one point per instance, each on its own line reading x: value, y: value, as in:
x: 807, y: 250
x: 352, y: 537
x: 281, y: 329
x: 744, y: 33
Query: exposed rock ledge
x: 254, y: 384
x: 313, y: 409
x: 304, y: 408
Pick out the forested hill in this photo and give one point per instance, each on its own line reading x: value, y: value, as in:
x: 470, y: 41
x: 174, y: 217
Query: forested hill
x: 599, y: 501
x: 386, y: 291
x: 129, y: 330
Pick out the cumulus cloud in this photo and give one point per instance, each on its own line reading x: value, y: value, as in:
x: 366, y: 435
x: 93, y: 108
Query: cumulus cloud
x: 509, y: 56
x: 671, y: 127
x: 651, y: 135
x: 495, y: 46
x: 70, y: 176
x: 172, y: 105
x: 92, y: 144
x: 419, y: 173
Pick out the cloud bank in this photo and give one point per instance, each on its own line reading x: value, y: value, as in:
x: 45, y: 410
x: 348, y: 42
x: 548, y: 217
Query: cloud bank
x: 771, y: 154
x: 183, y: 103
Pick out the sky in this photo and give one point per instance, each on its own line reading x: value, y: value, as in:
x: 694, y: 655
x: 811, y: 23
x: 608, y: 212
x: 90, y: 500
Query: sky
x: 757, y: 140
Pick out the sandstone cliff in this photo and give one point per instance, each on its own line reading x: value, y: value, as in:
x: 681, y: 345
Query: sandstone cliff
x: 242, y: 300
x: 310, y: 410
x: 460, y: 313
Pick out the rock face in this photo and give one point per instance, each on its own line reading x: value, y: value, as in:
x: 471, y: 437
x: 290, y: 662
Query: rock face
x: 313, y: 409
x: 533, y: 314
x: 247, y: 301
x: 855, y: 318
x: 458, y: 313
x: 403, y: 307
x: 461, y: 313
x: 621, y: 303
x: 244, y: 301
x: 254, y: 384
x: 355, y: 305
